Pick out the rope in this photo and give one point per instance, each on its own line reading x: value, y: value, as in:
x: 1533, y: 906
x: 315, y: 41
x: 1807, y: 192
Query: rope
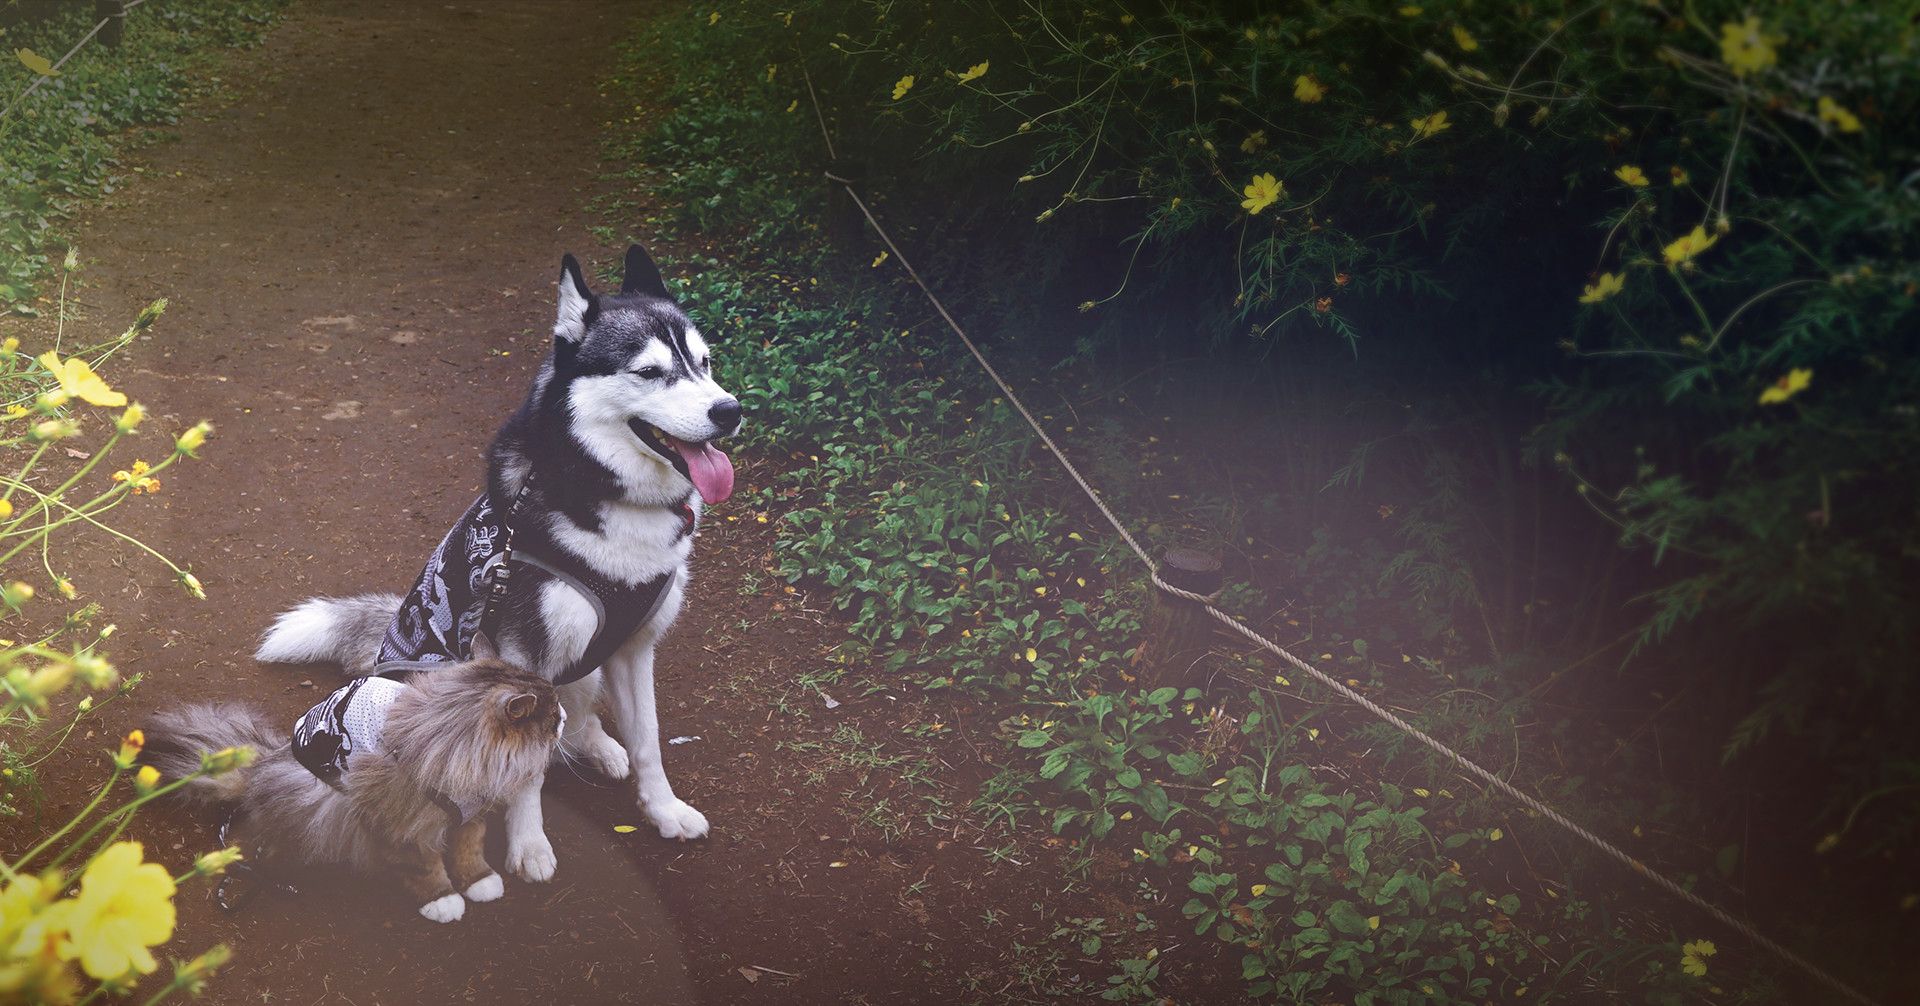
x: 84, y: 39
x: 1466, y: 764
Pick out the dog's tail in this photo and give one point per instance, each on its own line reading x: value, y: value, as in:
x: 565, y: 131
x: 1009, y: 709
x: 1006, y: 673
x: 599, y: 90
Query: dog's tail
x: 341, y: 630
x: 176, y: 739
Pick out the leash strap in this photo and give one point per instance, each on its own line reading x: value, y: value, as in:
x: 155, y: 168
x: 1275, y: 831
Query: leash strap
x: 503, y: 564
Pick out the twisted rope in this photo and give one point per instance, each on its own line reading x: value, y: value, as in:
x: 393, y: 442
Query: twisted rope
x: 1468, y: 765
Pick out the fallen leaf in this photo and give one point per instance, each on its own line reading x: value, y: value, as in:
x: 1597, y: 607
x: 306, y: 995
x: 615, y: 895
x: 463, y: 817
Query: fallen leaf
x: 36, y: 62
x: 749, y: 974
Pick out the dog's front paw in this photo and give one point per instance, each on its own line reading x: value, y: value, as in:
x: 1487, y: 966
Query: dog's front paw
x: 676, y: 818
x: 606, y: 754
x: 487, y: 888
x: 531, y: 858
x: 445, y: 908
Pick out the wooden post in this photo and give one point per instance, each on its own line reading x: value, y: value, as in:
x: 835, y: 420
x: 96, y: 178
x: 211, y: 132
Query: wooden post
x: 114, y: 12
x: 1178, y: 630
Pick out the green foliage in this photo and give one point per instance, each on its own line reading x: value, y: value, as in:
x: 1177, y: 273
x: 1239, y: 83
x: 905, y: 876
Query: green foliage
x: 1101, y: 160
x: 1354, y: 896
x: 61, y: 143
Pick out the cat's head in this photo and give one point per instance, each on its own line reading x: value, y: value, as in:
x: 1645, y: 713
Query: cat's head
x: 481, y: 728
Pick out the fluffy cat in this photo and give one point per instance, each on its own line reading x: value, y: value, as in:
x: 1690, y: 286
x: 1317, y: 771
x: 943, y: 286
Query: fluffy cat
x: 455, y: 743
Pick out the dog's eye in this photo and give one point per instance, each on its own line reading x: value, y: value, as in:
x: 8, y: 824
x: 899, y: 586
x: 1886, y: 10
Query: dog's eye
x: 706, y: 363
x: 651, y: 373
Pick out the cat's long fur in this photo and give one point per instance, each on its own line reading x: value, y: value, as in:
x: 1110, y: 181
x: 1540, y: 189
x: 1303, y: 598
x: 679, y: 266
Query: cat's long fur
x: 448, y: 733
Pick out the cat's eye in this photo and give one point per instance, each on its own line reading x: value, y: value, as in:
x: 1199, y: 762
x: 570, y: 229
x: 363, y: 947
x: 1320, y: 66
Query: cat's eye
x: 651, y: 373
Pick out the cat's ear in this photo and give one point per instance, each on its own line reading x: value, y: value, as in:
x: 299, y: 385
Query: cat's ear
x: 522, y: 706
x: 483, y: 648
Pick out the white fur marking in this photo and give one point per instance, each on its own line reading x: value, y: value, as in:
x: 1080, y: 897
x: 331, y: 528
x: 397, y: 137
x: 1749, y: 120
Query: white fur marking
x: 487, y: 888
x: 445, y: 908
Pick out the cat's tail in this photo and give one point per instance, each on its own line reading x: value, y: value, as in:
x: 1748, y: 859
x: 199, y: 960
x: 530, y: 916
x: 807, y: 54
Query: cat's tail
x: 341, y: 630
x: 176, y: 738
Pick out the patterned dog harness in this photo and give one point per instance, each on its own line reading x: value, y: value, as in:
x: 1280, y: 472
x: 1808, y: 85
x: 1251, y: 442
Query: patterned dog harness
x: 459, y: 592
x: 465, y: 581
x: 351, y: 721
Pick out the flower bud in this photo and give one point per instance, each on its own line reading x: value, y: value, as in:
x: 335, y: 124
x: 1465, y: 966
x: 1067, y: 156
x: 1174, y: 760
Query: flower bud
x: 130, y: 749
x: 194, y: 974
x: 192, y: 583
x: 191, y: 441
x: 150, y: 314
x: 94, y: 670
x: 226, y: 760
x: 15, y: 594
x: 130, y: 419
x: 146, y: 779
x: 217, y: 862
x: 53, y: 429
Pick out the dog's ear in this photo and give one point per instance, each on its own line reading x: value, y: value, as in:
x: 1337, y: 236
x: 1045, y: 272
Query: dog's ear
x: 521, y: 706
x: 576, y: 302
x: 483, y: 648
x: 642, y: 275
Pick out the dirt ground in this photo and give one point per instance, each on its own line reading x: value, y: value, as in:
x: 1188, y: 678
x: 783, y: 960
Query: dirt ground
x: 359, y: 243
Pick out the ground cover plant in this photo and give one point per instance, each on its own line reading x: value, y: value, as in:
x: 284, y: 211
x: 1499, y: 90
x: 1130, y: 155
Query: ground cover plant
x: 1601, y: 467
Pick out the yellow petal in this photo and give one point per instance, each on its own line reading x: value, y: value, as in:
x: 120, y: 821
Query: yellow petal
x: 36, y: 62
x: 625, y: 829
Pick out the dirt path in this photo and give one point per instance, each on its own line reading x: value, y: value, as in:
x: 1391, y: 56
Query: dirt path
x: 359, y: 249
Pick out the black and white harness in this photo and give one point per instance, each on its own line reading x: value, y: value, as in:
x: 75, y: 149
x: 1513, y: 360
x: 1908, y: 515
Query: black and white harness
x: 460, y: 592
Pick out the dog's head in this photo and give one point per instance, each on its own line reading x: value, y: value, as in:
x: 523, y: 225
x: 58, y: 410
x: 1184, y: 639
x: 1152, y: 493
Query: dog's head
x: 639, y: 382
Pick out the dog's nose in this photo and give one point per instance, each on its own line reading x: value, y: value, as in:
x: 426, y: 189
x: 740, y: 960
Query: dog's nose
x: 725, y: 415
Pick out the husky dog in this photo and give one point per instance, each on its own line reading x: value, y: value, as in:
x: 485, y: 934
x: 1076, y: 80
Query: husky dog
x: 596, y: 485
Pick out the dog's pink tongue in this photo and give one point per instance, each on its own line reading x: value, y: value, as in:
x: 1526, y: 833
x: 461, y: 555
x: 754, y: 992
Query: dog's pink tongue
x: 710, y: 470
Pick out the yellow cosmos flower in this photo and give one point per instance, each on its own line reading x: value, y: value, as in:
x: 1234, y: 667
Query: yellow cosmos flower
x: 1464, y: 39
x: 1632, y: 175
x: 1606, y: 286
x: 1678, y: 175
x: 713, y: 18
x: 1693, y: 957
x: 124, y: 906
x: 1307, y: 89
x: 30, y: 966
x: 1254, y: 141
x: 1430, y: 125
x: 902, y: 86
x: 1411, y: 11
x: 1795, y: 381
x: 1746, y: 48
x: 1262, y: 192
x: 975, y: 72
x: 1837, y: 114
x: 146, y: 779
x: 6, y: 508
x: 77, y: 380
x: 1685, y: 248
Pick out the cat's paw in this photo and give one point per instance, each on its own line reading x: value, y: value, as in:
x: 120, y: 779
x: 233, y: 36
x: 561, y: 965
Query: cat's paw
x: 445, y: 908
x: 605, y: 754
x: 676, y: 818
x: 487, y: 888
x: 531, y: 858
